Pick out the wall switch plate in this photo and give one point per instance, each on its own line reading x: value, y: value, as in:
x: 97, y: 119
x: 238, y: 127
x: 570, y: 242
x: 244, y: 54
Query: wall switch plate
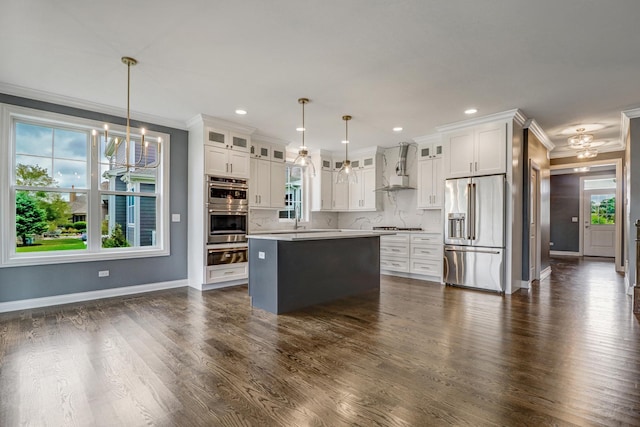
x: 550, y: 243
x: 261, y: 255
x: 574, y: 219
x: 175, y: 217
x: 103, y: 273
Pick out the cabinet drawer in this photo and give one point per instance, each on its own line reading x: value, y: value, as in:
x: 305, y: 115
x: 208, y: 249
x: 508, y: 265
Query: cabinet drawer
x: 394, y: 264
x: 426, y: 238
x: 396, y: 238
x: 424, y: 251
x: 426, y: 267
x: 225, y: 273
x: 394, y: 249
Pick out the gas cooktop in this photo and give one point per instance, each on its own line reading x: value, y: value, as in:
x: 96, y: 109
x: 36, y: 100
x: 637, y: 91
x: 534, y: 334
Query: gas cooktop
x: 389, y: 228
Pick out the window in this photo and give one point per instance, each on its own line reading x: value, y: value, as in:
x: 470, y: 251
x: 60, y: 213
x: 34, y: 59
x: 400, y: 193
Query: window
x: 69, y: 196
x: 294, y: 195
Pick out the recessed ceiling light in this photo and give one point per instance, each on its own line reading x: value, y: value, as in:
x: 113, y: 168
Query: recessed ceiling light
x: 300, y: 129
x: 241, y: 112
x: 471, y: 111
x: 344, y: 141
x: 397, y: 129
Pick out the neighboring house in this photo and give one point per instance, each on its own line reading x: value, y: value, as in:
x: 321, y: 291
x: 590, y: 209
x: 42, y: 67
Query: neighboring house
x: 135, y: 215
x: 78, y: 207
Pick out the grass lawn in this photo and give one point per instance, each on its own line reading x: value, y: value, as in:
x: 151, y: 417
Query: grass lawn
x: 53, y: 245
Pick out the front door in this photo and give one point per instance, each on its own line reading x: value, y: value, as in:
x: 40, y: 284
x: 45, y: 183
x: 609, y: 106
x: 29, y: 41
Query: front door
x: 599, y: 221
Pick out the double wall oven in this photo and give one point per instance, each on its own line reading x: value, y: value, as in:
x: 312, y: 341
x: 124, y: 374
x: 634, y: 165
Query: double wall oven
x: 227, y: 217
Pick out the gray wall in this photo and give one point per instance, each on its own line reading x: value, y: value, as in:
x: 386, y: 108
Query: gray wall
x: 18, y: 283
x: 632, y: 174
x: 565, y: 202
x: 535, y: 151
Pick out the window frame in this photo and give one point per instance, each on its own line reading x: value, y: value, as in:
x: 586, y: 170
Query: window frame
x: 94, y: 251
x: 304, y: 200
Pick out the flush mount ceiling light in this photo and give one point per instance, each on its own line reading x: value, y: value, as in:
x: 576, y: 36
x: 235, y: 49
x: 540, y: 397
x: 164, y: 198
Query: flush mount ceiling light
x: 397, y: 129
x: 587, y: 153
x: 582, y: 169
x: 580, y: 139
x: 303, y: 160
x: 130, y: 153
x: 346, y: 174
x: 241, y: 112
x: 471, y: 111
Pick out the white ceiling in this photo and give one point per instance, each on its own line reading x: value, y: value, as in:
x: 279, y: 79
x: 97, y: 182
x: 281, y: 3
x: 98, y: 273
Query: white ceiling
x: 416, y: 64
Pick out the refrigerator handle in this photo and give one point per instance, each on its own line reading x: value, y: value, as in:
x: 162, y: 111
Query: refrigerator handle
x: 469, y: 211
x: 473, y: 187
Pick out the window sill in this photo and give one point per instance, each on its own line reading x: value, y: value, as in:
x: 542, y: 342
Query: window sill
x: 78, y: 256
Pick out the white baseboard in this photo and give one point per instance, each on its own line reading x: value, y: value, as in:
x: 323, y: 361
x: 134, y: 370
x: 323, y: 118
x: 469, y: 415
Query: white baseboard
x: 564, y: 253
x: 26, y: 304
x: 545, y: 273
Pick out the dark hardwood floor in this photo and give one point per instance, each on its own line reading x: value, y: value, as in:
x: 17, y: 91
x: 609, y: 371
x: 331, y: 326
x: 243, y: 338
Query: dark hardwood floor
x: 565, y: 353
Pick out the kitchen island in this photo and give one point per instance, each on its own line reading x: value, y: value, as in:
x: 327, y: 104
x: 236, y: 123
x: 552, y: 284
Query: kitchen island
x: 290, y: 271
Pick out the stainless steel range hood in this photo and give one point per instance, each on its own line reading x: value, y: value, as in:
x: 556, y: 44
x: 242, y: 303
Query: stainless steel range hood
x: 399, y: 181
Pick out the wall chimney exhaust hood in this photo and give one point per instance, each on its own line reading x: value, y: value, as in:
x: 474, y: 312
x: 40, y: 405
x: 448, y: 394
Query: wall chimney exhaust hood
x: 399, y: 181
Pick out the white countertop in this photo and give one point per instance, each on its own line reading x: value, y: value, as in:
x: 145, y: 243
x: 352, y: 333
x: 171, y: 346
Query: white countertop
x: 320, y: 235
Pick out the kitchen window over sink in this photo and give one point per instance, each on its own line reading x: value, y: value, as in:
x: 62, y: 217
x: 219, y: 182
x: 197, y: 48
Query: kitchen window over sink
x: 295, y: 195
x: 66, y: 202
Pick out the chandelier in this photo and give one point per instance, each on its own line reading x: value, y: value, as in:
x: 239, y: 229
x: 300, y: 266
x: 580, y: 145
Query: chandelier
x: 582, y: 142
x: 131, y: 151
x: 303, y: 160
x: 346, y: 174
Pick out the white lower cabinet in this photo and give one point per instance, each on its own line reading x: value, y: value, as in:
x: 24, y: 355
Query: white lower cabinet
x: 416, y: 255
x: 219, y: 273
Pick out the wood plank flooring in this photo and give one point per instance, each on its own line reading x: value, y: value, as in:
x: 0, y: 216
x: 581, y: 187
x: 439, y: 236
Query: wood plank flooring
x: 417, y: 354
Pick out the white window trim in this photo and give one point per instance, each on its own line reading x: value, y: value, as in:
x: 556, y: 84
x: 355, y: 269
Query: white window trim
x: 94, y: 251
x: 306, y: 202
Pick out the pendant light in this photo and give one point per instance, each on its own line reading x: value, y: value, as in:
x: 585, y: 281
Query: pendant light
x: 580, y: 139
x: 346, y: 174
x: 303, y: 160
x: 127, y: 153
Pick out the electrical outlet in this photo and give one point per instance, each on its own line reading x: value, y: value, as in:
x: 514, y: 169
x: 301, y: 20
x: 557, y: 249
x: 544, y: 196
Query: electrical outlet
x: 261, y: 255
x: 103, y: 273
x: 550, y: 243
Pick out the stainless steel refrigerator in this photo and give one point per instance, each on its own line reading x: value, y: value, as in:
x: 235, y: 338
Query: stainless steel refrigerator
x: 474, y: 234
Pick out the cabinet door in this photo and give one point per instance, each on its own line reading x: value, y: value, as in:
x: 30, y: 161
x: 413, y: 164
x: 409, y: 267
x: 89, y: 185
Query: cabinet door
x: 239, y: 142
x: 367, y: 193
x: 460, y: 156
x: 238, y: 164
x: 437, y: 182
x: 490, y: 149
x: 425, y: 184
x: 278, y: 180
x: 264, y: 183
x: 216, y: 137
x: 340, y: 194
x: 254, y: 183
x: 355, y: 193
x: 278, y: 154
x: 326, y: 190
x: 216, y: 160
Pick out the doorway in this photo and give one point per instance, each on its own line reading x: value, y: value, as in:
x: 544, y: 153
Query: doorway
x: 598, y: 216
x: 534, y: 220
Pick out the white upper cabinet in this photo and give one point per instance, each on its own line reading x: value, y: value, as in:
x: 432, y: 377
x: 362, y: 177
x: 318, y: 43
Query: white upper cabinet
x: 268, y: 175
x: 226, y: 153
x: 430, y: 183
x: 477, y: 150
x: 322, y: 185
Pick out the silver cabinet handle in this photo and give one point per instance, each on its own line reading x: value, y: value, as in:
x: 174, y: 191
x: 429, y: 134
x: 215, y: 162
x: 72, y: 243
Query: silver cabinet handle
x: 476, y: 166
x: 231, y: 167
x: 470, y: 167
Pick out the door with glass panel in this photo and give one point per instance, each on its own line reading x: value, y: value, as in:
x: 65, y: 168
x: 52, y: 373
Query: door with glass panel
x: 599, y: 213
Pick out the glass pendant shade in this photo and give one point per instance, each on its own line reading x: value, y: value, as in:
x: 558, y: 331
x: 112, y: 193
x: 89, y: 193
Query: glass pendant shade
x: 303, y: 160
x: 580, y: 140
x: 587, y: 153
x: 346, y: 174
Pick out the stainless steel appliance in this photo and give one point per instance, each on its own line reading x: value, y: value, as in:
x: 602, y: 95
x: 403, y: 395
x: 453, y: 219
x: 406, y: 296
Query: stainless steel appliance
x: 227, y: 210
x: 227, y: 255
x: 474, y: 232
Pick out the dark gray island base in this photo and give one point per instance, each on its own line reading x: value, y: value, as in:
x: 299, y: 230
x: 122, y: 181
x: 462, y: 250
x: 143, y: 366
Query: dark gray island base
x: 287, y: 274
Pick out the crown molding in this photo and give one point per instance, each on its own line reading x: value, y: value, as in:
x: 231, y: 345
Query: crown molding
x: 261, y: 137
x: 542, y: 136
x: 82, y: 104
x: 516, y: 115
x: 428, y: 139
x: 205, y: 120
x: 625, y: 119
